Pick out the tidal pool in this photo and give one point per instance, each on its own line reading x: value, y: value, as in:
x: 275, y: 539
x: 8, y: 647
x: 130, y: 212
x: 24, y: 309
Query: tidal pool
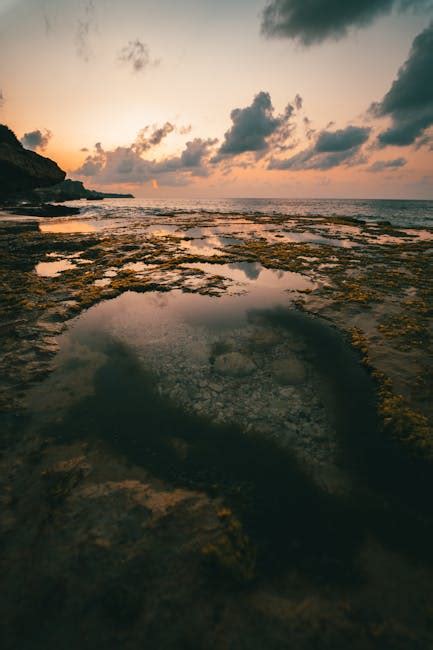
x: 246, y: 362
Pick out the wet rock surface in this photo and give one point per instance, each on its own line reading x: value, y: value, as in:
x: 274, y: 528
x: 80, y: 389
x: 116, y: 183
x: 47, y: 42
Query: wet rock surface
x: 234, y: 364
x: 45, y: 210
x: 289, y: 371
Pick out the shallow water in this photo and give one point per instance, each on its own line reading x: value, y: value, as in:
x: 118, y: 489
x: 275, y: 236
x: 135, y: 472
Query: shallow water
x: 53, y: 269
x: 246, y: 361
x: 66, y: 226
x: 257, y: 278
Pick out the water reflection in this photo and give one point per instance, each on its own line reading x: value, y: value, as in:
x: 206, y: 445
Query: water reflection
x: 52, y: 269
x: 240, y: 360
x: 66, y: 226
x: 257, y: 277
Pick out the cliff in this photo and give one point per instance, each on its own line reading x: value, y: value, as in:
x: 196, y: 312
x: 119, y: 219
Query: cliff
x: 22, y: 170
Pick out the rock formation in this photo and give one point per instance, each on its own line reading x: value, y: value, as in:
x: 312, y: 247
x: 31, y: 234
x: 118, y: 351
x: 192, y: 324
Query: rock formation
x: 69, y: 190
x: 22, y: 170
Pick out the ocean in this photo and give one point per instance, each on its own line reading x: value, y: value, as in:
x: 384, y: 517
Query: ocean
x: 400, y: 213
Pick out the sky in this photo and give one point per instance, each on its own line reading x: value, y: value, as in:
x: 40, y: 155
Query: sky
x: 235, y: 98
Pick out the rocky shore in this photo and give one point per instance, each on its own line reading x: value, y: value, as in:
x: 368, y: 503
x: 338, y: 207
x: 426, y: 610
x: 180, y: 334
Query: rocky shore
x: 160, y: 483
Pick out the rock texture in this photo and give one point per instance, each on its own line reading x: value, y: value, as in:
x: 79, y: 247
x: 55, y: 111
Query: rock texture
x: 22, y: 170
x: 289, y: 371
x: 234, y: 364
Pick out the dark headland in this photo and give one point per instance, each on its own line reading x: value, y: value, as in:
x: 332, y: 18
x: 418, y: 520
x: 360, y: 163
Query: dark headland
x: 29, y: 182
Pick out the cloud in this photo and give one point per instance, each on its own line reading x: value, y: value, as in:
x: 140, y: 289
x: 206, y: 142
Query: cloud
x: 313, y: 21
x: 256, y: 128
x: 85, y: 26
x: 2, y: 98
x: 341, y: 140
x: 126, y: 165
x: 391, y: 165
x: 409, y: 102
x: 137, y: 54
x: 146, y: 140
x: 331, y: 149
x: 47, y: 23
x: 128, y: 158
x: 195, y: 151
x: 298, y: 102
x: 308, y: 128
x: 36, y: 139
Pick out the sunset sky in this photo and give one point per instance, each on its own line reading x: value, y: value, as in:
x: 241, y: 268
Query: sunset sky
x: 206, y: 98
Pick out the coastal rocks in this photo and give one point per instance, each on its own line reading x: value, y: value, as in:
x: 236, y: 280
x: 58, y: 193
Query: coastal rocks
x: 288, y: 371
x: 234, y: 364
x: 69, y: 190
x: 47, y: 210
x: 22, y: 170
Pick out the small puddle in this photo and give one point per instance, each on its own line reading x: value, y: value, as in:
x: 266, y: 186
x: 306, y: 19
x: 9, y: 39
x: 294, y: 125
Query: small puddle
x: 256, y: 277
x: 163, y: 231
x: 137, y: 267
x: 52, y: 269
x: 66, y: 226
x: 313, y: 238
x: 201, y: 247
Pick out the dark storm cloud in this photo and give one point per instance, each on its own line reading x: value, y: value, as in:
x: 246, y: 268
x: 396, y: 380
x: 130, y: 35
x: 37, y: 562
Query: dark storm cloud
x: 136, y: 54
x: 331, y: 149
x: 36, y: 139
x: 313, y: 21
x: 256, y: 128
x: 409, y: 102
x: 126, y: 164
x: 387, y: 165
x: 341, y: 140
